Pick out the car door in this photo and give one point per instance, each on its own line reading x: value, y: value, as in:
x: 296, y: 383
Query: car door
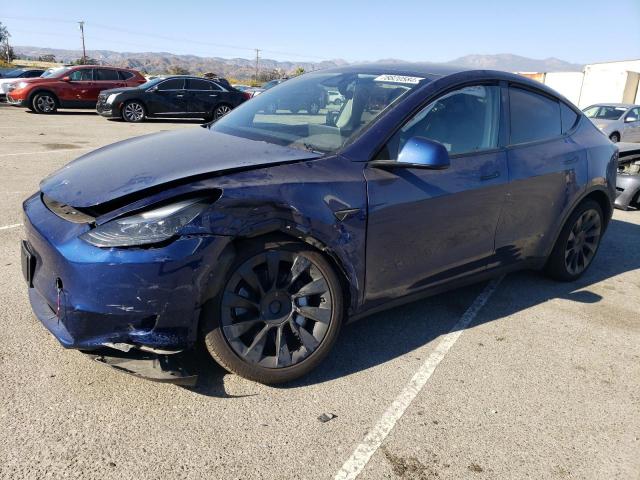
x: 106, y: 79
x: 80, y: 88
x: 426, y: 227
x: 168, y: 98
x: 632, y: 126
x: 546, y: 171
x: 203, y: 96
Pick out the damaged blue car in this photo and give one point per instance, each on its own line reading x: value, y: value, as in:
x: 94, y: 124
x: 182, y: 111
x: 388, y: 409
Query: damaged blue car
x: 260, y: 234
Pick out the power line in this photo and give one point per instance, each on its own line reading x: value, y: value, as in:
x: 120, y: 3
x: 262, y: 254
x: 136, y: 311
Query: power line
x: 257, y: 63
x: 166, y: 37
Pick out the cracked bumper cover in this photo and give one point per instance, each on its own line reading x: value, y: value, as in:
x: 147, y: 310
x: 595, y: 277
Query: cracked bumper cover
x: 148, y: 297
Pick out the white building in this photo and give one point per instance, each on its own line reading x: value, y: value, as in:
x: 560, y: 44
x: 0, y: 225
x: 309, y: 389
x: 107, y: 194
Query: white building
x: 608, y: 82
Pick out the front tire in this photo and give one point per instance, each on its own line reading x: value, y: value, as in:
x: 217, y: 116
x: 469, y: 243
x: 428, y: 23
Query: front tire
x: 133, y: 112
x: 278, y: 314
x: 577, y: 244
x: 44, y: 102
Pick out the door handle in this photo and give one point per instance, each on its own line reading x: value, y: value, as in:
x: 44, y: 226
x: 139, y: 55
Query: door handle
x: 571, y: 160
x: 180, y: 96
x: 213, y: 95
x: 490, y: 176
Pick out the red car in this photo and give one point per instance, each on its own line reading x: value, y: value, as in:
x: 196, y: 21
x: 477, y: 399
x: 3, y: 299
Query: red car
x: 70, y: 87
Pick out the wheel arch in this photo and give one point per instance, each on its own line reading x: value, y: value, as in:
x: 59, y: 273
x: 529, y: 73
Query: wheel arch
x: 598, y: 194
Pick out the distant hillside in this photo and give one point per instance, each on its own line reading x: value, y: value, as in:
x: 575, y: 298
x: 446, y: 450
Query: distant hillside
x: 242, y: 68
x: 515, y: 63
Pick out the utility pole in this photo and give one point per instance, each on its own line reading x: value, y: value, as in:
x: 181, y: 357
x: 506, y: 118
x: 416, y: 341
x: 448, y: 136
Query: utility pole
x: 257, y: 63
x: 84, y: 52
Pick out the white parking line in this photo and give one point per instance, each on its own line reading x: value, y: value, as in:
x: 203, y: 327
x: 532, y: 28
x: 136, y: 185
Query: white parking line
x: 46, y: 151
x: 8, y: 227
x: 374, y: 438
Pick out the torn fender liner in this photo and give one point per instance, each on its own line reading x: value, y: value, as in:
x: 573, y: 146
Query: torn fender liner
x: 148, y: 365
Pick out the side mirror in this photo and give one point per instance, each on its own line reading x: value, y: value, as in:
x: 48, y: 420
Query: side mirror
x: 630, y: 118
x: 418, y: 152
x: 66, y: 79
x: 153, y: 89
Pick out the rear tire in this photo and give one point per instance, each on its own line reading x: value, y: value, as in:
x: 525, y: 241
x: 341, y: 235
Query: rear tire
x: 44, y: 102
x: 278, y: 314
x: 221, y: 111
x: 577, y: 244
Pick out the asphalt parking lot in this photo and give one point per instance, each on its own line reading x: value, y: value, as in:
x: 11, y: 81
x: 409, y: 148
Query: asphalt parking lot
x: 537, y: 379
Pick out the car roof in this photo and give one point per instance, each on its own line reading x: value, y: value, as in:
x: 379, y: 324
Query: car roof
x: 625, y: 105
x: 433, y: 71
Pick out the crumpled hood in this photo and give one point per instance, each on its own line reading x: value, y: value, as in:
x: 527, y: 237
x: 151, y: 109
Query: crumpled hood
x: 145, y: 162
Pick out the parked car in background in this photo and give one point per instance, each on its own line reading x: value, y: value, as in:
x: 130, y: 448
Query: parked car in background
x: 70, y: 87
x: 171, y: 97
x: 335, y: 97
x: 260, y: 235
x: 248, y: 89
x: 15, y: 76
x: 618, y: 121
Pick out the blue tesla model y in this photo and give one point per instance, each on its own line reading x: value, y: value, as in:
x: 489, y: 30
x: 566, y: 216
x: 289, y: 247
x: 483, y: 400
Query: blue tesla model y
x: 260, y: 234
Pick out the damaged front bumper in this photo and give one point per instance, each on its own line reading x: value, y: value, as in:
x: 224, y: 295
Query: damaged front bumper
x: 127, y: 299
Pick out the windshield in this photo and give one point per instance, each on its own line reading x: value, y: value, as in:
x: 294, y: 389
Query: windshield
x: 605, y: 112
x: 151, y: 83
x: 55, y: 72
x: 318, y: 111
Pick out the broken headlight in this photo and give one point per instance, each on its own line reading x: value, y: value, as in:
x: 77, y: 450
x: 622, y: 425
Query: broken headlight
x: 148, y: 227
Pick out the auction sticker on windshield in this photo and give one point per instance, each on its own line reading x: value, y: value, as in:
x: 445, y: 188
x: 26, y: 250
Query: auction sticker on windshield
x: 398, y: 79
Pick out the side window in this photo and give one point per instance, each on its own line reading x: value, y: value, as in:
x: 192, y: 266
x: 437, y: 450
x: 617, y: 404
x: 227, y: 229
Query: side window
x: 83, y: 75
x: 634, y: 113
x: 465, y: 120
x: 533, y: 116
x: 172, y: 84
x: 568, y: 117
x: 195, y: 84
x: 34, y: 73
x: 105, y: 74
x: 124, y: 75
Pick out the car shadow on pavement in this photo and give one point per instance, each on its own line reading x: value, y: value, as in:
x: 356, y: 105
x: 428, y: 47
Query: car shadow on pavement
x: 385, y: 336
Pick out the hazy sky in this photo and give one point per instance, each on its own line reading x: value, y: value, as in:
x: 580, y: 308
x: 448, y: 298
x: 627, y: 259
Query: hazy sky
x: 580, y: 31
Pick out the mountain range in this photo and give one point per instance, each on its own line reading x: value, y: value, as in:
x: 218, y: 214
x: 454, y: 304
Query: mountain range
x: 243, y: 68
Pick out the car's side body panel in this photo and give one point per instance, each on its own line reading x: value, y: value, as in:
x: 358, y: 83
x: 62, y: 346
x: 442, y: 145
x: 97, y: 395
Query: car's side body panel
x: 412, y: 242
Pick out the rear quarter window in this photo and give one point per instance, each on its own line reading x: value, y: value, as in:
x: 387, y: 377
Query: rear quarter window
x: 533, y: 116
x: 124, y: 75
x: 568, y: 117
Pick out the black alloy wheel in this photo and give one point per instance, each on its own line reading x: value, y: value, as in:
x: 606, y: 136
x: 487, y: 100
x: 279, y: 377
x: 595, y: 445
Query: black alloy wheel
x: 278, y: 314
x: 578, y: 243
x: 583, y: 242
